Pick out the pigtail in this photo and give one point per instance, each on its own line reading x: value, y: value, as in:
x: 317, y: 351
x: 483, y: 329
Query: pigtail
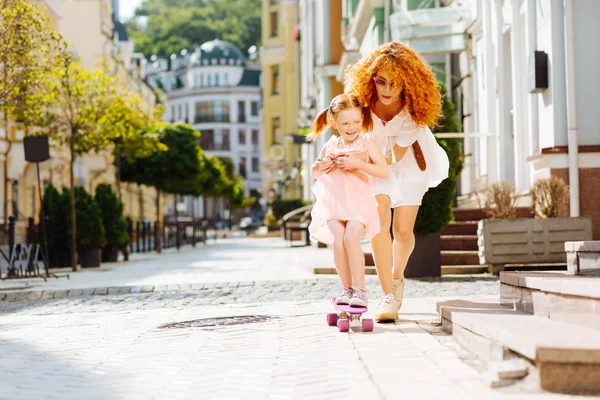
x: 320, y: 124
x: 367, y: 123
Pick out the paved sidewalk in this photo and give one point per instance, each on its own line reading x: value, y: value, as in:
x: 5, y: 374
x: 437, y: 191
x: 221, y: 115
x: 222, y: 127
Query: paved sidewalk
x: 255, y: 264
x: 106, y: 350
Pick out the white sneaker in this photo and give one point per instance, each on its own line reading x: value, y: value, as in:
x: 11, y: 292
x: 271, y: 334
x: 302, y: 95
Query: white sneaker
x: 345, y: 297
x: 398, y: 291
x: 359, y: 299
x: 387, y: 310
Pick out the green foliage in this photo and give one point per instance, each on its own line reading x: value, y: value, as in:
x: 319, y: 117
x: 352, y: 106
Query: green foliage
x: 90, y: 232
x: 282, y: 207
x: 113, y: 221
x: 174, y: 170
x: 435, y: 212
x: 29, y: 49
x: 174, y: 25
x: 56, y: 209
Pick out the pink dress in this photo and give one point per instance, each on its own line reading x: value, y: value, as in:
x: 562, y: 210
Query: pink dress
x: 343, y: 195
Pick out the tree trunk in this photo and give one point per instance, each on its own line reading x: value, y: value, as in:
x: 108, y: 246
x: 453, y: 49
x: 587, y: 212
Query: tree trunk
x: 6, y: 168
x: 118, y: 165
x: 159, y: 224
x: 73, y: 217
x: 177, y: 236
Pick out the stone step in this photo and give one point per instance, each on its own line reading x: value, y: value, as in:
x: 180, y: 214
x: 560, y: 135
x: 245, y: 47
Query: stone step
x: 460, y: 257
x: 458, y: 242
x: 567, y: 355
x: 556, y: 296
x: 464, y: 269
x: 461, y: 228
x: 476, y: 214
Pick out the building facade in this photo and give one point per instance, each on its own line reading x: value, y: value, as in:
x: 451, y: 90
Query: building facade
x: 279, y: 58
x: 216, y: 90
x: 534, y: 91
x: 320, y: 55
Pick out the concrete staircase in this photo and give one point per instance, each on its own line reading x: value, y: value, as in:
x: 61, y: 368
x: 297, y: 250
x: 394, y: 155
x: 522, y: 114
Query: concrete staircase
x: 548, y: 320
x: 459, y: 241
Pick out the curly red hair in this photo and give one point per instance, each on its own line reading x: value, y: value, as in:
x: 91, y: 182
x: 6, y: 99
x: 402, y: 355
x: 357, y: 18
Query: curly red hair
x: 420, y: 88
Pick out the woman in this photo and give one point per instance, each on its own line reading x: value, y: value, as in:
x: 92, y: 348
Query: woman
x: 403, y: 94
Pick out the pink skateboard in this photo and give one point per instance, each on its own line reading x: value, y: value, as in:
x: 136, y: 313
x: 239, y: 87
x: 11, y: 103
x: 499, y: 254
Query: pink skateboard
x: 346, y: 314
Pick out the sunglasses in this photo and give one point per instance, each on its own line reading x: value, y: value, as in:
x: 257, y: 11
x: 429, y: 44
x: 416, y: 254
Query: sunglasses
x: 382, y: 82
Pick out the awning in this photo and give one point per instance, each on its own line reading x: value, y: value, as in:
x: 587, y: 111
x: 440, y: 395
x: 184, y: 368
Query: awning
x: 432, y: 30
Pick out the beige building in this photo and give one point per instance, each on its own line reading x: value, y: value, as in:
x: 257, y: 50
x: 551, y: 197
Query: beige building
x: 280, y: 65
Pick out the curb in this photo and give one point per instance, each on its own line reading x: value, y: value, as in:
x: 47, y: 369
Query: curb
x: 33, y: 295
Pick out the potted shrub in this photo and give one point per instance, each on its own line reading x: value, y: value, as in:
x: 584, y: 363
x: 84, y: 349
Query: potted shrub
x: 113, y: 221
x: 504, y: 239
x: 435, y: 212
x: 90, y: 232
x: 56, y: 209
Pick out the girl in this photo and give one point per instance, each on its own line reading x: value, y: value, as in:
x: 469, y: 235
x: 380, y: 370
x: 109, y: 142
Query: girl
x: 345, y: 209
x: 404, y: 98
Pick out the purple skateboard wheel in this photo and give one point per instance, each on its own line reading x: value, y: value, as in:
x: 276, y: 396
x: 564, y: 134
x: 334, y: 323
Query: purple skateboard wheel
x: 332, y: 319
x: 367, y: 325
x: 343, y: 325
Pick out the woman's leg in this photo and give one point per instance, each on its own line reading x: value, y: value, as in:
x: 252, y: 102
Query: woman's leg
x: 382, y: 245
x: 404, y: 237
x: 356, y: 257
x: 340, y: 258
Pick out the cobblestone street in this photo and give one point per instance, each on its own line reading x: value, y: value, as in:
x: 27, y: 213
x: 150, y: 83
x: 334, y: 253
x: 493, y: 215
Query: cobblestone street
x: 184, y: 342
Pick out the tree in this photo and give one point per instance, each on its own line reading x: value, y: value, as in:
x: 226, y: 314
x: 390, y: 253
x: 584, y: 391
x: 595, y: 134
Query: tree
x: 174, y: 25
x: 81, y: 109
x: 29, y: 50
x: 174, y: 170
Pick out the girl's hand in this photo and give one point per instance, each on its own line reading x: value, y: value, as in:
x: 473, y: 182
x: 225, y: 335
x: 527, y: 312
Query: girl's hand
x: 348, y: 163
x: 325, y: 164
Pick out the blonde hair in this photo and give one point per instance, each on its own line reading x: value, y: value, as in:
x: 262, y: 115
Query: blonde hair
x: 340, y: 103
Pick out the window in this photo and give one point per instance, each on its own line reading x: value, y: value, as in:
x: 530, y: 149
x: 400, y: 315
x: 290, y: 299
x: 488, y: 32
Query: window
x: 225, y: 140
x: 255, y: 137
x: 207, y: 139
x: 242, y: 167
x: 201, y: 80
x: 212, y: 111
x: 209, y: 78
x: 254, y: 108
x: 216, y: 79
x: 241, y: 111
x: 255, y: 164
x: 276, y: 125
x: 172, y: 113
x: 274, y: 24
x: 15, y: 198
x: 275, y: 79
x: 242, y: 137
x: 226, y: 79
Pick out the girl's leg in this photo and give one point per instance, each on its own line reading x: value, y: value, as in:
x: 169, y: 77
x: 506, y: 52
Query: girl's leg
x: 340, y: 257
x: 404, y: 238
x: 356, y: 257
x: 382, y: 245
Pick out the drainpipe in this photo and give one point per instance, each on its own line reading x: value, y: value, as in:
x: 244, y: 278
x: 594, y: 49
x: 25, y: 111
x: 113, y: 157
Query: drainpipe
x: 571, y: 111
x: 534, y: 137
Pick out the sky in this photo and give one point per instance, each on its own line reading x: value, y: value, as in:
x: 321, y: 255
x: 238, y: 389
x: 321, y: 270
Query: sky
x: 127, y: 7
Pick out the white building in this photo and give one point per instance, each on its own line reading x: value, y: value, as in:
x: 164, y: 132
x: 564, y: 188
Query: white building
x: 217, y: 91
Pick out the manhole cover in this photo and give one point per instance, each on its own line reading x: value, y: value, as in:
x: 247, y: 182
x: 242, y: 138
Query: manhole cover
x: 222, y: 321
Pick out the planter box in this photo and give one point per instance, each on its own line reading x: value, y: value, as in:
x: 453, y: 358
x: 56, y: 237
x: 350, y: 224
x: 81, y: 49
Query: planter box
x: 110, y: 254
x: 90, y: 258
x: 426, y: 258
x: 526, y: 240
